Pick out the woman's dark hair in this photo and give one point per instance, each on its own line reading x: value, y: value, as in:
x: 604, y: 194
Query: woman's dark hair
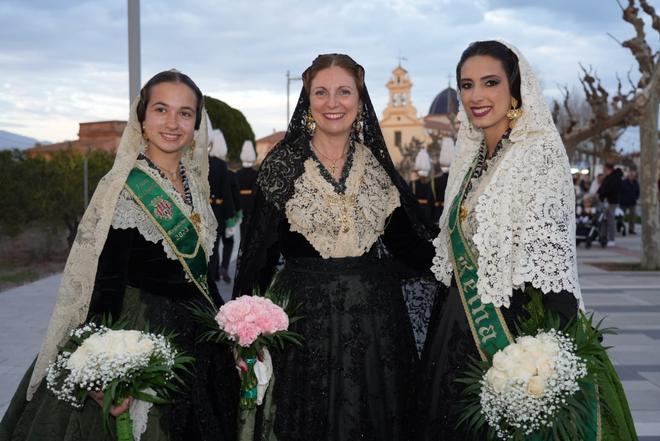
x: 169, y: 76
x: 325, y: 61
x: 500, y: 52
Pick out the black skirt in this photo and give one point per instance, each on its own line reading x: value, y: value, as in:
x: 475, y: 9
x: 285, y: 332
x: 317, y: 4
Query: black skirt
x: 204, y: 409
x: 351, y: 379
x: 448, y: 349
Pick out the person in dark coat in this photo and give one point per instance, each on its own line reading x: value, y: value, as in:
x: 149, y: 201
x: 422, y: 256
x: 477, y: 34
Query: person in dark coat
x: 438, y: 187
x: 246, y: 177
x: 610, y: 191
x: 429, y: 192
x: 231, y: 227
x: 221, y: 199
x: 629, y: 197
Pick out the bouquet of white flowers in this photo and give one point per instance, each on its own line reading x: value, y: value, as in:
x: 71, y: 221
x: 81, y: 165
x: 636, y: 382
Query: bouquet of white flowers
x: 119, y: 363
x: 542, y: 386
x: 529, y: 380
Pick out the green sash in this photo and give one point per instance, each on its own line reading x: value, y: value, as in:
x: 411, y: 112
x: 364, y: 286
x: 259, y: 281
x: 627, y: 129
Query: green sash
x: 489, y: 329
x: 177, y: 229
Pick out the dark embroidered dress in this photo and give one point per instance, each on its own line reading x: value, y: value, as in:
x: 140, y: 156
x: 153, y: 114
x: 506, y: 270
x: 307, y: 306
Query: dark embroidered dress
x: 137, y: 282
x: 351, y: 378
x: 450, y: 345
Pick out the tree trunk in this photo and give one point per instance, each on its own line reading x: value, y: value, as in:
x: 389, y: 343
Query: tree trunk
x: 648, y: 134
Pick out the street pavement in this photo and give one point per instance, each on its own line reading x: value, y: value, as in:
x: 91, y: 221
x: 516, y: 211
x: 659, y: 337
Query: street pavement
x: 629, y: 301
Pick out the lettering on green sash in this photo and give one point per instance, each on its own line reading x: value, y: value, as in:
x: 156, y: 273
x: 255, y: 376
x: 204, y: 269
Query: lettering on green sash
x: 480, y: 309
x: 487, y: 333
x: 463, y: 266
x: 487, y: 325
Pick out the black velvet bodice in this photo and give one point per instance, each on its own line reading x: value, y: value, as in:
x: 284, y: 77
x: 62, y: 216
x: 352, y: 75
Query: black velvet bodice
x: 128, y: 259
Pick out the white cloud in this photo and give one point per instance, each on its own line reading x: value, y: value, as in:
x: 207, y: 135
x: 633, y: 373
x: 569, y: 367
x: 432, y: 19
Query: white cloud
x: 65, y: 62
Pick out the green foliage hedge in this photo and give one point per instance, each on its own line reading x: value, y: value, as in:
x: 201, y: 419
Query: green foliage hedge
x: 232, y: 123
x: 36, y: 190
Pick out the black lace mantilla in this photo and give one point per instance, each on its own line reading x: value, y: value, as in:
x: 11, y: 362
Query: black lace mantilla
x: 275, y: 186
x: 285, y: 163
x: 340, y: 185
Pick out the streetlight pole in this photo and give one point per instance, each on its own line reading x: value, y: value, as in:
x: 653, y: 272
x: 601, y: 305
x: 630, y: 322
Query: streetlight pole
x: 134, y: 79
x: 86, y: 176
x: 289, y: 78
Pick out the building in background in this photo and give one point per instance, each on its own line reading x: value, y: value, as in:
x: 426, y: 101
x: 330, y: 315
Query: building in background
x: 400, y: 122
x: 266, y: 144
x: 442, y: 113
x: 100, y: 135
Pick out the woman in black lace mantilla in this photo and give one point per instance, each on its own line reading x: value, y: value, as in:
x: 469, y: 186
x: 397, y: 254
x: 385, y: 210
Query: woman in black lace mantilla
x: 329, y: 197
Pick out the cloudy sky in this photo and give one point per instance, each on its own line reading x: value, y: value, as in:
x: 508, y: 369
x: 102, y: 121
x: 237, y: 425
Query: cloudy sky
x: 66, y: 61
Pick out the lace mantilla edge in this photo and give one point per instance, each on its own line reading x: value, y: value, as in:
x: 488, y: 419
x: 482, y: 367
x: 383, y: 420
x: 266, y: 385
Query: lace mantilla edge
x: 129, y: 215
x: 75, y: 291
x: 343, y: 225
x: 525, y: 227
x: 526, y: 222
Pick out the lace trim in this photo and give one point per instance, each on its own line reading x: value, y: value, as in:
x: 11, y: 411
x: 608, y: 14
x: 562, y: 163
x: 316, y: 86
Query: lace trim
x: 343, y: 225
x: 128, y: 213
x: 75, y: 291
x: 340, y: 185
x: 480, y: 180
x: 526, y: 214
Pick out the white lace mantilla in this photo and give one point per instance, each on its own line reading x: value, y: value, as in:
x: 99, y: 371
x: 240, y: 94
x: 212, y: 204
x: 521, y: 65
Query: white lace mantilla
x: 526, y: 214
x: 75, y: 291
x: 343, y: 225
x: 128, y: 214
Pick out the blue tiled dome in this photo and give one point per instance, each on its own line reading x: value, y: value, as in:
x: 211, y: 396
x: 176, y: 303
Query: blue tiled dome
x: 446, y: 102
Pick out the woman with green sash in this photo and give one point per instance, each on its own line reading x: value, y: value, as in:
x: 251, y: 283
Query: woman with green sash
x: 509, y: 230
x: 140, y: 256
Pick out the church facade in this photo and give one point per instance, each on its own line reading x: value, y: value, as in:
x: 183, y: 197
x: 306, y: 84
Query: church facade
x: 400, y: 122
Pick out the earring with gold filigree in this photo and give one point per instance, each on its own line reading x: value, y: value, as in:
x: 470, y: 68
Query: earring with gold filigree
x: 358, y: 125
x: 514, y: 112
x: 145, y: 140
x: 191, y: 149
x: 310, y: 123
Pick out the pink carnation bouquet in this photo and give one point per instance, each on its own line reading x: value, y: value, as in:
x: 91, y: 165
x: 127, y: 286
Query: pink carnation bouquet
x: 250, y: 324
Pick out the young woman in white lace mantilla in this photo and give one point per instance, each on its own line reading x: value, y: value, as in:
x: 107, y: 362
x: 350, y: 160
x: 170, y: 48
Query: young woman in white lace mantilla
x: 123, y: 264
x: 516, y: 215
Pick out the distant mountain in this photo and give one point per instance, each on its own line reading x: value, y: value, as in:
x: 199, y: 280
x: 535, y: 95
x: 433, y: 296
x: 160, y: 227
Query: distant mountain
x: 10, y: 140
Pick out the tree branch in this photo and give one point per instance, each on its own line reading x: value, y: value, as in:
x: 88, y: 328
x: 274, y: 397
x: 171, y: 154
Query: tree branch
x: 637, y: 44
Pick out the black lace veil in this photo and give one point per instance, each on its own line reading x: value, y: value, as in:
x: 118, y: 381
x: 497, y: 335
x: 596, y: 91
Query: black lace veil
x: 285, y: 163
x: 279, y: 171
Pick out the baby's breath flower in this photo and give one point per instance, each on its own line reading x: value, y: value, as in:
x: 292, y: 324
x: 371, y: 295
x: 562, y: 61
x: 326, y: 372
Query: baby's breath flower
x: 533, y: 378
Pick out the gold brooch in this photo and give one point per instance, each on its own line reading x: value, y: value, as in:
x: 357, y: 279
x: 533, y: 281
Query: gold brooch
x: 196, y: 220
x: 462, y: 213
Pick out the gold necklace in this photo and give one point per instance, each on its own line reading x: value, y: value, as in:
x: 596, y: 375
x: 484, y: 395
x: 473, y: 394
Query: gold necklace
x: 333, y: 167
x: 173, y: 174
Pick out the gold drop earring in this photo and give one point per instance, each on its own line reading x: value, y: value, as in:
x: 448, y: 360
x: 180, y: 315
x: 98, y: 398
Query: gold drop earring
x: 145, y: 138
x: 191, y: 149
x: 310, y: 123
x: 514, y: 112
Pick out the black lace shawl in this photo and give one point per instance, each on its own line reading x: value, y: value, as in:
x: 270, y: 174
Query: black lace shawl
x: 275, y: 186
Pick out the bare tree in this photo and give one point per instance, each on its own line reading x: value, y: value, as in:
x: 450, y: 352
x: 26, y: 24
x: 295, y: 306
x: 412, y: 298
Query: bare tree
x: 408, y: 154
x: 647, y: 99
x: 638, y: 106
